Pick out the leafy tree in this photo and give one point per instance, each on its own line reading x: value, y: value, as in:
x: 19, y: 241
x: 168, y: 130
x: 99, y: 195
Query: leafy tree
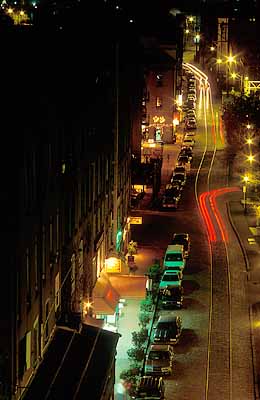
x: 237, y: 114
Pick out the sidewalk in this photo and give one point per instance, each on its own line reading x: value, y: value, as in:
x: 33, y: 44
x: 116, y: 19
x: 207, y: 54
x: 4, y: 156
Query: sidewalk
x: 249, y: 239
x: 129, y: 321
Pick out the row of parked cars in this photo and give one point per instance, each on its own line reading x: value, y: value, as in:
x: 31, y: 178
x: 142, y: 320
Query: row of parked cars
x: 167, y: 330
x: 190, y: 104
x: 172, y: 194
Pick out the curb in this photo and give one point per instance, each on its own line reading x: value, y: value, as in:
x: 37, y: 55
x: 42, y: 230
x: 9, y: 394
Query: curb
x: 252, y: 339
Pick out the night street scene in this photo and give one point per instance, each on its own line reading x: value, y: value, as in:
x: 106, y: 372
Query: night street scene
x: 130, y: 200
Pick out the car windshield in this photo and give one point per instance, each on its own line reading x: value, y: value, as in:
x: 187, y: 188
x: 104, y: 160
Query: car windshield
x: 179, y: 177
x: 182, y: 241
x: 171, y: 293
x: 173, y: 257
x: 158, y: 355
x: 168, y: 325
x: 170, y: 278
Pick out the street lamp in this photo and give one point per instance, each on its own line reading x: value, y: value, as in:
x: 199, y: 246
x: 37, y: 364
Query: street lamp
x: 246, y: 180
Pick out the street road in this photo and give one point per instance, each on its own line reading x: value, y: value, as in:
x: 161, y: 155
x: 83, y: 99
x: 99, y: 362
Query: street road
x: 213, y: 360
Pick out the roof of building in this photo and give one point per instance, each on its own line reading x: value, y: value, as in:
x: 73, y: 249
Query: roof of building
x: 74, y: 364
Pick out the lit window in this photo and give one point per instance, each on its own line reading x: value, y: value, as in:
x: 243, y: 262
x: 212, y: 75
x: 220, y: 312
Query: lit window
x: 158, y: 102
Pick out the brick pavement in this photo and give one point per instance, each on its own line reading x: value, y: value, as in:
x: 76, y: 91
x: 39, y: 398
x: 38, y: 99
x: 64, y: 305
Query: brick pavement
x: 249, y: 239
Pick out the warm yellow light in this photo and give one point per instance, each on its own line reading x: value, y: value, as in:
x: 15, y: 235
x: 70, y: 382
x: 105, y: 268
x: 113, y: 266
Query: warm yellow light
x: 187, y: 31
x: 191, y: 19
x: 233, y: 75
x: 251, y: 158
x: 231, y: 59
x: 248, y: 126
x: 246, y: 78
x: 21, y: 12
x: 219, y: 61
x: 197, y: 37
x: 249, y: 141
x: 10, y: 10
x: 212, y: 48
x: 175, y: 122
x: 245, y: 178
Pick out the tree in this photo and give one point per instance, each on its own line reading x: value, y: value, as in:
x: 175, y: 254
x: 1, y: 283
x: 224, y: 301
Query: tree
x: 237, y: 114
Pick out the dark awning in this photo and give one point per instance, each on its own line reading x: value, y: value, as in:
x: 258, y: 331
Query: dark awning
x: 75, y: 365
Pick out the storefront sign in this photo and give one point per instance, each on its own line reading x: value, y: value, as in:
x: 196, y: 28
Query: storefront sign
x: 113, y: 264
x: 136, y: 220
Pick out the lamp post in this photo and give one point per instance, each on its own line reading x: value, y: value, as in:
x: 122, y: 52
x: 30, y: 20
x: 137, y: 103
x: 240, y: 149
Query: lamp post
x: 246, y: 180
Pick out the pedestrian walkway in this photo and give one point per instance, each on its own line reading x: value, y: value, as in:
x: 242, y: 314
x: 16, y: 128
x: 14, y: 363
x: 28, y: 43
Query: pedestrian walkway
x: 249, y: 240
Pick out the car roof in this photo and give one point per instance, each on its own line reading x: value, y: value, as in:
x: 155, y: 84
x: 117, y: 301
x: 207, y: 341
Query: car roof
x: 168, y: 318
x: 181, y: 235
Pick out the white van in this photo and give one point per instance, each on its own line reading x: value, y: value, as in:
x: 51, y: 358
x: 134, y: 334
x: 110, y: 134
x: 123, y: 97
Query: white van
x: 174, y: 258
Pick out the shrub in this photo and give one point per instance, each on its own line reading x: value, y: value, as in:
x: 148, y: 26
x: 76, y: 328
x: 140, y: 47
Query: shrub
x: 139, y: 338
x: 146, y: 304
x: 136, y: 354
x: 144, y: 319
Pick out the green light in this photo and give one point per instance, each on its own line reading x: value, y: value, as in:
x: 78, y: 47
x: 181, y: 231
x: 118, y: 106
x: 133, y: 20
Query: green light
x: 118, y: 239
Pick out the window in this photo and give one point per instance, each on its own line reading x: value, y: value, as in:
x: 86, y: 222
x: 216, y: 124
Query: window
x: 57, y: 230
x: 28, y: 279
x: 43, y: 253
x: 36, y: 264
x: 158, y: 102
x: 159, y: 80
x: 35, y: 342
x: 57, y: 291
x: 46, y: 325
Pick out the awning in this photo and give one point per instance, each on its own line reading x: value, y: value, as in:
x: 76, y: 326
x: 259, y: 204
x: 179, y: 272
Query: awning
x: 75, y: 366
x: 105, y: 297
x: 129, y: 286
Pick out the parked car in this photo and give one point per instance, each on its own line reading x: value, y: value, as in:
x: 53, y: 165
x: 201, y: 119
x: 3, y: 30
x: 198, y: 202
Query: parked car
x: 159, y: 360
x: 190, y: 125
x: 171, y: 197
x: 188, y: 142
x: 183, y: 160
x: 191, y: 113
x: 150, y: 388
x: 178, y: 178
x: 184, y: 240
x: 167, y: 330
x: 171, y: 297
x: 187, y: 151
x: 179, y: 169
x: 170, y: 279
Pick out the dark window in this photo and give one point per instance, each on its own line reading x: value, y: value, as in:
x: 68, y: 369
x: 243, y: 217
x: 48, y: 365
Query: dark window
x: 159, y: 80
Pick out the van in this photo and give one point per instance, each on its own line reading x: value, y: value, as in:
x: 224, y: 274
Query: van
x: 159, y: 360
x: 174, y: 257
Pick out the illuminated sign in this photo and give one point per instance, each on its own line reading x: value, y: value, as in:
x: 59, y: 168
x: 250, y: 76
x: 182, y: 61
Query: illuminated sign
x: 113, y: 264
x: 136, y: 220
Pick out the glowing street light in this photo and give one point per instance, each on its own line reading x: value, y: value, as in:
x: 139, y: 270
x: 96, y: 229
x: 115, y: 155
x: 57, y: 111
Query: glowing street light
x: 212, y: 48
x: 249, y: 141
x: 219, y: 61
x: 231, y: 59
x: 250, y: 158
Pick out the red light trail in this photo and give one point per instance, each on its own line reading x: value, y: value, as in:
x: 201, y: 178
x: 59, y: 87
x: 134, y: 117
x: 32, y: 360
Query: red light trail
x: 216, y: 228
